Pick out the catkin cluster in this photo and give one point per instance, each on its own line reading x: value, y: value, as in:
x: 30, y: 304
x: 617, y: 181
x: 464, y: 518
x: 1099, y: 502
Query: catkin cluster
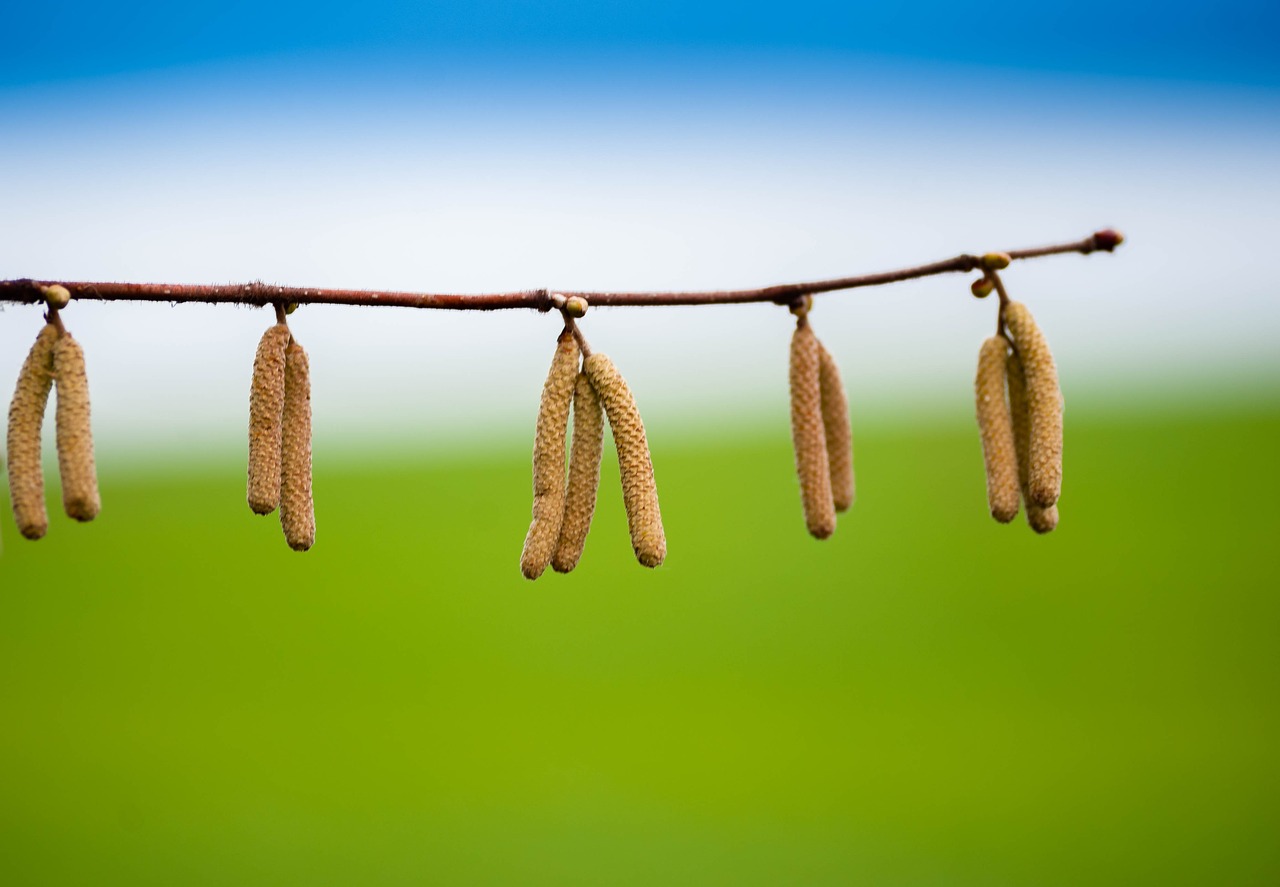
x: 820, y: 432
x: 279, y: 474
x: 1021, y: 437
x: 55, y: 359
x: 562, y: 510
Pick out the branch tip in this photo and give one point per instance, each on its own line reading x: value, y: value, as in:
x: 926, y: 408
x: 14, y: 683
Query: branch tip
x: 1107, y: 239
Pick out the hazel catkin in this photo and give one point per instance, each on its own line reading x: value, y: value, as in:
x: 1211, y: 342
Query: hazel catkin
x: 635, y: 466
x: 808, y: 433
x: 1044, y: 407
x: 266, y: 408
x: 839, y: 434
x: 1041, y: 519
x: 80, y: 497
x: 548, y: 459
x: 995, y: 426
x: 297, y: 511
x: 584, y: 475
x: 26, y: 415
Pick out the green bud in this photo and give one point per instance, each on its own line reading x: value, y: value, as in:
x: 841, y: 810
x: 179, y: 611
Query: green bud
x: 57, y: 296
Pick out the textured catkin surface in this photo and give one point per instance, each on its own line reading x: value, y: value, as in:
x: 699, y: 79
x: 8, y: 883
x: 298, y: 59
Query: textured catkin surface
x: 639, y: 492
x: 839, y: 432
x: 584, y: 475
x: 995, y: 424
x: 75, y: 438
x: 808, y: 434
x: 1041, y: 519
x: 297, y: 512
x: 548, y: 459
x: 266, y: 407
x: 1044, y: 406
x: 26, y: 415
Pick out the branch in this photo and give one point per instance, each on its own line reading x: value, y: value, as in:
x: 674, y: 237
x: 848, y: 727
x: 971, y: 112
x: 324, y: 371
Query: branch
x: 27, y: 291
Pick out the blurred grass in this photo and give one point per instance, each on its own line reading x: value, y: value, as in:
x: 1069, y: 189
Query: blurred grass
x: 928, y: 698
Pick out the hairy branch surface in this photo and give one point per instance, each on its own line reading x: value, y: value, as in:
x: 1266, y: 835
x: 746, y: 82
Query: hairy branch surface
x: 27, y: 291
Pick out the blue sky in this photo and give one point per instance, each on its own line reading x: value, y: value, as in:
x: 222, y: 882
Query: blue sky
x: 480, y: 146
x: 1203, y: 41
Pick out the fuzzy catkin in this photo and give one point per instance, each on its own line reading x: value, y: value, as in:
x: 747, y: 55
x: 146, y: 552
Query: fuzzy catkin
x: 297, y: 511
x: 26, y: 415
x: 839, y: 433
x: 266, y: 408
x: 1044, y: 406
x: 639, y: 492
x: 809, y: 435
x: 995, y: 424
x: 80, y: 497
x: 548, y: 459
x: 584, y: 475
x: 1041, y: 519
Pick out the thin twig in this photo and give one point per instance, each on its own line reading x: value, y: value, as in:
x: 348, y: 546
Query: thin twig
x: 27, y: 291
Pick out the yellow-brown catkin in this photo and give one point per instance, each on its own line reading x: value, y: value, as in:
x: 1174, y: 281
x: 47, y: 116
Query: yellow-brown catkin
x: 26, y: 415
x: 1041, y: 519
x: 75, y: 438
x: 266, y: 407
x: 808, y: 433
x: 639, y: 492
x: 839, y: 433
x: 995, y: 424
x: 548, y: 459
x: 297, y: 512
x: 584, y: 475
x: 1044, y: 406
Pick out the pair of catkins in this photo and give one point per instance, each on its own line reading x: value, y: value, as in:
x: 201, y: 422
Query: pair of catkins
x: 1021, y: 436
x: 562, y: 509
x: 55, y: 358
x: 820, y: 431
x: 280, y: 436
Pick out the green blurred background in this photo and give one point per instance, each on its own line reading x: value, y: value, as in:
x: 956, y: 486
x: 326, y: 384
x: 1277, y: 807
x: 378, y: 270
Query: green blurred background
x: 927, y: 698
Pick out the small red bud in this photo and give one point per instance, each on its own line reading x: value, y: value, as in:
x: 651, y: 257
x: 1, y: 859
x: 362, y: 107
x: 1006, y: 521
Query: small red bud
x: 1107, y: 239
x: 981, y: 288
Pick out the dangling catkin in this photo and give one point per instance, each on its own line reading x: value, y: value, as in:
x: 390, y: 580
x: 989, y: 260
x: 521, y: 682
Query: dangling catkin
x: 808, y: 434
x: 266, y: 406
x: 584, y: 475
x: 996, y: 428
x: 639, y: 493
x: 26, y: 415
x: 297, y: 512
x: 1044, y: 406
x: 839, y: 435
x: 1041, y: 519
x: 548, y: 459
x: 75, y: 438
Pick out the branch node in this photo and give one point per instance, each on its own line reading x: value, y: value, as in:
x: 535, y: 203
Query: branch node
x: 800, y: 305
